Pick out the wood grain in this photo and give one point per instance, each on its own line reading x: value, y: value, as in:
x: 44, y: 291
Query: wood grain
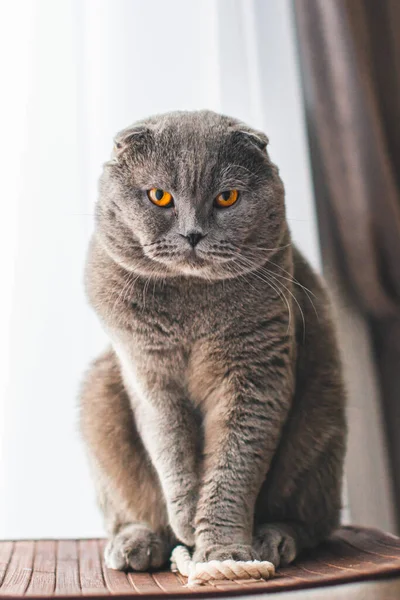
x: 43, y: 578
x: 117, y: 582
x: 67, y: 573
x: 19, y: 570
x: 6, y: 550
x: 144, y: 583
x: 90, y: 573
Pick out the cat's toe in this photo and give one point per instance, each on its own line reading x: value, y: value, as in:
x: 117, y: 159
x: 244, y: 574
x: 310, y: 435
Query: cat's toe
x: 276, y: 544
x: 136, y: 547
x: 228, y: 552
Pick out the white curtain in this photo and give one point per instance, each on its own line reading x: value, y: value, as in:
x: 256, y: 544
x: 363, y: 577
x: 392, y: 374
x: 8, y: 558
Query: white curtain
x: 74, y: 73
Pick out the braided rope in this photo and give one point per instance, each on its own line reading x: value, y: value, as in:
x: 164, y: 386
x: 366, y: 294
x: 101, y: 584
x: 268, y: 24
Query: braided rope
x: 201, y: 573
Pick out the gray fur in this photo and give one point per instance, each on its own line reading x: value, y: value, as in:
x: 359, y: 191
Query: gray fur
x: 217, y: 416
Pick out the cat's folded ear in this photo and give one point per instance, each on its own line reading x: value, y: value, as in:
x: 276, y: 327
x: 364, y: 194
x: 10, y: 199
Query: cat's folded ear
x: 253, y: 136
x: 135, y: 139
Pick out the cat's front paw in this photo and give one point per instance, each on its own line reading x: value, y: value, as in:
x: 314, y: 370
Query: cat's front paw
x: 136, y: 547
x: 225, y: 552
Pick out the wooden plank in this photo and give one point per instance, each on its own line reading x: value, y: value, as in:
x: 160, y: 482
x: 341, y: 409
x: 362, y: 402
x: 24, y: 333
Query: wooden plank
x: 225, y: 585
x: 43, y: 578
x: 363, y: 541
x: 170, y: 583
x: 117, y: 582
x: 19, y: 570
x: 6, y: 550
x: 67, y: 569
x: 90, y: 572
x: 257, y: 582
x: 347, y: 557
x: 144, y: 583
x: 277, y: 582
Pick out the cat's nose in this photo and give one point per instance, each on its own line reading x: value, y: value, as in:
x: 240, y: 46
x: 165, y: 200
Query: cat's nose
x: 193, y: 237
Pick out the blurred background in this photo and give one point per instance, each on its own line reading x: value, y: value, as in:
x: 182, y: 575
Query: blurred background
x: 320, y: 77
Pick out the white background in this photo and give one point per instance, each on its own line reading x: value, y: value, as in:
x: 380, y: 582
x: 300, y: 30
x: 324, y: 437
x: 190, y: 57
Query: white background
x: 74, y: 72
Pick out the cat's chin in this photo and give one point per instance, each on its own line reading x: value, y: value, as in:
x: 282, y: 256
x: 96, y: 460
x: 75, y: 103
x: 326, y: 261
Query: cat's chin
x: 206, y: 270
x: 192, y: 265
x: 193, y: 271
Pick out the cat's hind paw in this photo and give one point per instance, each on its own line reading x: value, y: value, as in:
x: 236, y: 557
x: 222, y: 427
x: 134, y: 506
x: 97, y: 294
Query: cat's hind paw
x: 276, y: 543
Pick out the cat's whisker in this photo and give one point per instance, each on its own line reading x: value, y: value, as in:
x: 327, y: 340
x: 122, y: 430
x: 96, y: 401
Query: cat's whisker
x: 130, y: 288
x: 273, y: 286
x: 146, y: 285
x: 295, y: 299
x: 269, y: 274
x: 292, y: 280
x: 126, y: 280
x: 126, y: 290
x: 262, y: 248
x: 240, y: 275
x: 306, y: 290
x: 154, y: 288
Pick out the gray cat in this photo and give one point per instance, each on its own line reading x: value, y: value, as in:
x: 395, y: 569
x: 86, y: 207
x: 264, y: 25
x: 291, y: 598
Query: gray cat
x: 216, y: 418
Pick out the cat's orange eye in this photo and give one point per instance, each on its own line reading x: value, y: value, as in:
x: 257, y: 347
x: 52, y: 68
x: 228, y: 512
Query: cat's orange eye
x: 227, y: 198
x: 160, y: 197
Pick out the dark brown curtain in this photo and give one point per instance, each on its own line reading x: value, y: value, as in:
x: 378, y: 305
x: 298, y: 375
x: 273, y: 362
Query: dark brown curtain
x: 350, y: 61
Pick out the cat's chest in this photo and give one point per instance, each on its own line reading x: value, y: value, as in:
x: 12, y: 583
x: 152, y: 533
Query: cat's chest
x: 161, y: 333
x: 170, y: 317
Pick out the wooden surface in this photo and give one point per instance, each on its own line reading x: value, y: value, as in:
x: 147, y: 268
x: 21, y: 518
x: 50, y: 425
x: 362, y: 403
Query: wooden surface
x: 71, y: 568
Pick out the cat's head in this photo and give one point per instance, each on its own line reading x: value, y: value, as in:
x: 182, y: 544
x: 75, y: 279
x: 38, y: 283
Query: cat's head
x: 190, y: 193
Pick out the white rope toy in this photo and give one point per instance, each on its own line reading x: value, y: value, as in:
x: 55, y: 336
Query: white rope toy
x: 201, y: 573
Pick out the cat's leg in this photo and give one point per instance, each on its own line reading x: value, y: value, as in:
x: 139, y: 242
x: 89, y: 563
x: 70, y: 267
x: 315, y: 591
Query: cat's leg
x: 300, y: 501
x: 166, y: 434
x: 170, y: 430
x: 127, y: 486
x: 301, y: 514
x: 244, y: 414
